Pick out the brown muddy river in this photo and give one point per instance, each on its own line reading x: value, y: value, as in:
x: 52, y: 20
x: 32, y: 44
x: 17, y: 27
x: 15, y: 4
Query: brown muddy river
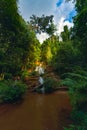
x: 37, y: 112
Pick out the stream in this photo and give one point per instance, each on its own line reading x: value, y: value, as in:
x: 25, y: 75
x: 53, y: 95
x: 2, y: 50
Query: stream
x: 37, y: 112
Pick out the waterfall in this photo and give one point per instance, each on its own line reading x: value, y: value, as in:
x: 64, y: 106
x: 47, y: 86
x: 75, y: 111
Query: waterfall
x: 41, y: 80
x: 40, y: 70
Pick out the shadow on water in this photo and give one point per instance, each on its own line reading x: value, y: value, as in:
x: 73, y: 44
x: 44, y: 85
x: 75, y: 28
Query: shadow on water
x: 37, y: 112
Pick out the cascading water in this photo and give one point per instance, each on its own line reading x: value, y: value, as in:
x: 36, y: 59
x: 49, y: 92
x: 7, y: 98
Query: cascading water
x: 40, y: 70
x: 41, y: 81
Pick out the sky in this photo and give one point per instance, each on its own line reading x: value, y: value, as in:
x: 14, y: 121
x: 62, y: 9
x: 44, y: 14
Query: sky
x: 63, y: 12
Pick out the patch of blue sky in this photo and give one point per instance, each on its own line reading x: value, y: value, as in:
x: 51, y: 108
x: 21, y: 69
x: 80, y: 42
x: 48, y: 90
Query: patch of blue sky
x: 59, y: 3
x: 70, y: 16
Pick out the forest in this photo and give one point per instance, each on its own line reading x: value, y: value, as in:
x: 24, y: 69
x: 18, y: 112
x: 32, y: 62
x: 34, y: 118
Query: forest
x: 21, y: 52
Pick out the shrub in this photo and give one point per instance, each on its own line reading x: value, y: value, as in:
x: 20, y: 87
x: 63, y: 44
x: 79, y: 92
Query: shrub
x: 77, y: 83
x: 24, y: 74
x: 33, y: 73
x: 67, y: 82
x: 74, y: 76
x: 79, y: 117
x: 79, y: 70
x: 77, y: 127
x: 7, y: 76
x: 50, y: 85
x: 11, y: 91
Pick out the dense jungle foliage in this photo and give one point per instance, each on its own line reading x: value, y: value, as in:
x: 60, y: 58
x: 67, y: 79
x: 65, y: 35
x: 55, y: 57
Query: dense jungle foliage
x: 20, y: 51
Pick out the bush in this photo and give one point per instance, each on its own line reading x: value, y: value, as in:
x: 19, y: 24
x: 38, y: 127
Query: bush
x: 79, y: 70
x: 7, y: 76
x: 24, y: 74
x: 77, y: 127
x: 77, y: 83
x: 33, y: 73
x: 74, y: 76
x: 67, y: 82
x: 79, y: 117
x: 50, y: 85
x: 11, y: 91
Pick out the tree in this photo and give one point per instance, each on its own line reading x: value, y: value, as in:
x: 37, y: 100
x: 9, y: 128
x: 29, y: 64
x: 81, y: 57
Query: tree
x: 49, y: 49
x: 43, y: 24
x: 9, y: 28
x: 67, y: 57
x: 34, y: 51
x: 65, y: 35
x: 80, y: 26
x: 15, y: 39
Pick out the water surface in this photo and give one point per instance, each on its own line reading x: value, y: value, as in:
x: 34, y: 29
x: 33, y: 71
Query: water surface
x: 37, y: 112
